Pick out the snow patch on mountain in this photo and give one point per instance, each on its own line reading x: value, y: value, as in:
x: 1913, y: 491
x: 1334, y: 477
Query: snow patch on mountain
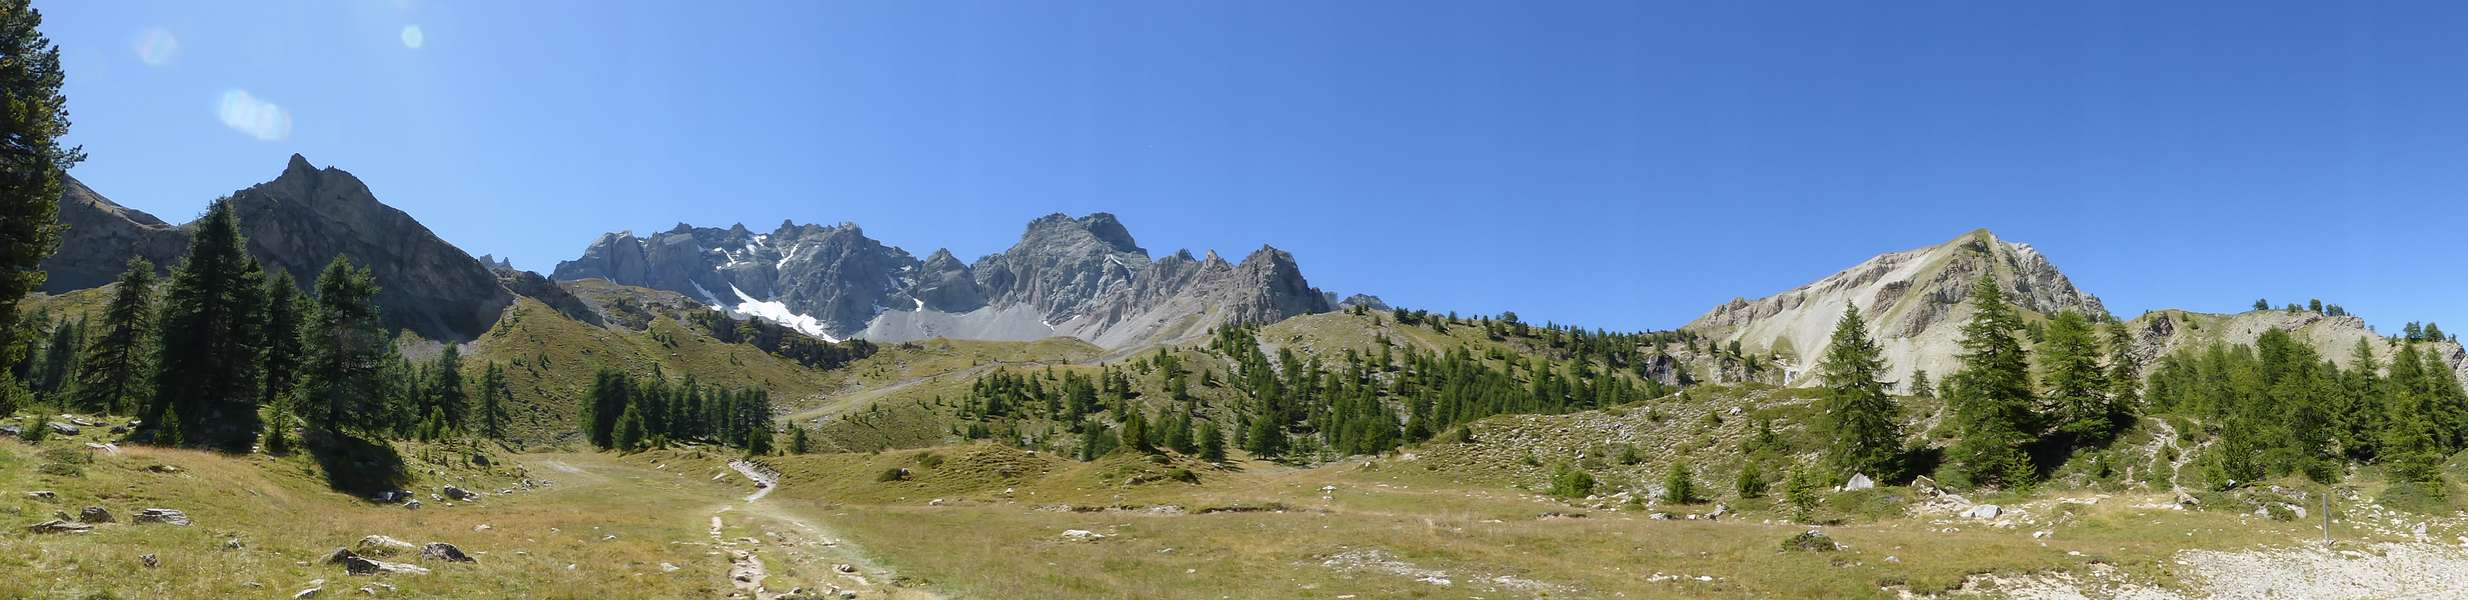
x: 778, y: 312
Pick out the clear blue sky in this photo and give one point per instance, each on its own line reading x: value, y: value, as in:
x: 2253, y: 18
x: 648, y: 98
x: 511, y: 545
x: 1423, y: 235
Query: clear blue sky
x: 1618, y: 164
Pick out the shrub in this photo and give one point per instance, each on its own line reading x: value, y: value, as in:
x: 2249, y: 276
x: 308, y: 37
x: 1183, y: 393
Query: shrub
x: 1628, y: 455
x: 892, y: 474
x: 1572, y: 483
x: 1679, y: 486
x: 930, y: 460
x: 1183, y: 475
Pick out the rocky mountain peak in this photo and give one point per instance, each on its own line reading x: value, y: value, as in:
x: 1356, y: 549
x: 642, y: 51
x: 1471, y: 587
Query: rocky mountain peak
x: 1915, y: 300
x: 307, y: 216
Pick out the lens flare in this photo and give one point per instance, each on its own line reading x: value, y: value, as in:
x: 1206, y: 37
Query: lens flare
x: 156, y: 46
x: 413, y: 38
x: 257, y: 118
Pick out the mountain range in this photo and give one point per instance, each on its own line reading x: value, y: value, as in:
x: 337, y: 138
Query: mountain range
x: 1085, y: 277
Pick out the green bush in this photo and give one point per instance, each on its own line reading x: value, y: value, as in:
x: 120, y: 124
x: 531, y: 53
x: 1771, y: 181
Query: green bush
x: 1572, y: 483
x: 892, y: 474
x: 930, y: 460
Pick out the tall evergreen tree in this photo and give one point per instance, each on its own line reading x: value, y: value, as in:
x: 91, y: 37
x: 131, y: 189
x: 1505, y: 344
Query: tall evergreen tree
x: 446, y: 393
x: 1857, y: 415
x: 1212, y: 443
x: 33, y: 117
x: 345, y: 356
x: 2076, y: 385
x: 629, y: 436
x: 2124, y: 377
x: 114, y: 375
x: 213, y: 335
x: 495, y: 394
x: 1992, y: 400
x: 285, y: 306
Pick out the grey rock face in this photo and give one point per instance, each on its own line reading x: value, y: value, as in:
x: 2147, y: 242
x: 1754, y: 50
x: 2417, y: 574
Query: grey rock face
x: 101, y: 238
x: 306, y: 217
x: 1084, y: 277
x: 835, y: 274
x: 297, y: 223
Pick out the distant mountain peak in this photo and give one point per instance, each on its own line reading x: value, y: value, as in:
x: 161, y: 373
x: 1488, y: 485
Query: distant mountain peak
x: 1915, y: 300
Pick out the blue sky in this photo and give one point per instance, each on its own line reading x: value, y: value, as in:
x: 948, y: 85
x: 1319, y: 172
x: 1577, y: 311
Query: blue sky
x: 1617, y: 164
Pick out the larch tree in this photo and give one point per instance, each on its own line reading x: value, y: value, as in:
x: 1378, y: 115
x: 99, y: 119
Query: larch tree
x: 213, y: 336
x: 345, y: 355
x: 1857, y: 416
x: 2074, y: 381
x: 1992, y: 399
x: 114, y: 374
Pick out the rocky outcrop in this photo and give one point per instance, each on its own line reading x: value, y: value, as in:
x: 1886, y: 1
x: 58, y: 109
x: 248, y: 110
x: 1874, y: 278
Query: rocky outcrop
x: 1084, y: 277
x: 296, y: 224
x: 307, y: 216
x: 101, y: 238
x: 1915, y: 301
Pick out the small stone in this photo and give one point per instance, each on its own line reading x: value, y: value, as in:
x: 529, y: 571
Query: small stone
x: 445, y: 552
x: 59, y: 526
x: 1082, y: 535
x: 307, y: 593
x: 94, y: 514
x: 149, y: 560
x: 160, y: 515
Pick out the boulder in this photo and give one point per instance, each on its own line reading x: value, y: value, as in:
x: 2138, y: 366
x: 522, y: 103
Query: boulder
x: 12, y: 430
x: 1810, y: 541
x: 59, y: 526
x: 41, y: 495
x: 1859, y: 481
x: 1082, y: 535
x: 338, y: 556
x: 94, y: 514
x: 307, y: 593
x: 160, y: 515
x: 62, y: 428
x: 412, y: 504
x: 378, y: 545
x: 445, y: 552
x: 359, y: 565
x: 457, y: 493
x: 1984, y: 511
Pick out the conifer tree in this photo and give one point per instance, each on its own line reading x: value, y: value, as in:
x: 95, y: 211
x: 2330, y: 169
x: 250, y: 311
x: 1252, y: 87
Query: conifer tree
x: 59, y: 360
x: 1857, y: 415
x: 345, y: 356
x: 212, y: 337
x: 798, y: 442
x: 1135, y: 433
x: 281, y: 363
x: 1920, y: 384
x: 629, y: 436
x: 1679, y: 484
x: 1992, y: 397
x: 114, y: 375
x: 2124, y: 377
x: 32, y: 120
x: 1800, y: 492
x: 495, y: 394
x: 446, y: 393
x: 1212, y: 443
x: 2076, y: 385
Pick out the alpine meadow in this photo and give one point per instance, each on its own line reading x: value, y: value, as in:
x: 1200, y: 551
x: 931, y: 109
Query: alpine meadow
x: 305, y: 391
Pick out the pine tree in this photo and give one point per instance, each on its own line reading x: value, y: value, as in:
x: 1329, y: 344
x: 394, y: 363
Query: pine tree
x: 798, y: 443
x: 212, y: 337
x: 60, y: 352
x: 283, y: 352
x: 495, y: 394
x: 1992, y: 397
x: 1212, y: 443
x: 629, y: 437
x: 2124, y: 377
x: 1920, y: 384
x: 1856, y: 414
x: 1800, y: 493
x: 446, y: 393
x: 345, y: 356
x: 1679, y: 484
x: 113, y: 376
x: 606, y: 403
x: 32, y: 120
x: 2076, y: 385
x: 1135, y: 433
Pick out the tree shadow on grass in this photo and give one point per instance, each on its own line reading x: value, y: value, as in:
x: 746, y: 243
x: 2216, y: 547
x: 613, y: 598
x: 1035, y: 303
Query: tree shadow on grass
x: 359, y: 467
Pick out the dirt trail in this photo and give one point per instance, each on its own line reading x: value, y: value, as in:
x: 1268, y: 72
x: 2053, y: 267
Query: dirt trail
x: 801, y: 545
